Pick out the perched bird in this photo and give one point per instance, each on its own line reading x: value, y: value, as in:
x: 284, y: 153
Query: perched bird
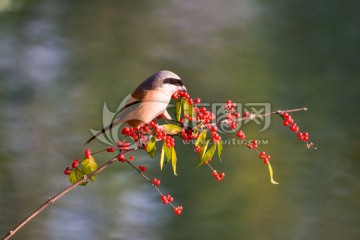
x: 149, y: 100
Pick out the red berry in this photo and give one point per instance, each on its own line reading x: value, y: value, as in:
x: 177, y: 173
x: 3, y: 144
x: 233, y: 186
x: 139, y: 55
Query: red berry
x: 67, y: 171
x: 222, y: 175
x: 197, y: 149
x: 87, y: 153
x: 121, y: 158
x: 246, y: 114
x: 300, y: 136
x: 214, y: 173
x: 125, y: 131
x: 285, y: 114
x: 305, y: 138
x: 75, y: 163
x: 286, y: 123
x: 197, y: 100
x: 110, y: 149
x: 131, y: 158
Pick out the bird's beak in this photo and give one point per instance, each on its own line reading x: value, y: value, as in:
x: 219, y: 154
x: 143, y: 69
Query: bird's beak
x: 183, y: 89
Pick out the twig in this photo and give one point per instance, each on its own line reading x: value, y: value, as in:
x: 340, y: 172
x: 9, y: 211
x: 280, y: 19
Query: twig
x: 253, y: 116
x: 58, y: 196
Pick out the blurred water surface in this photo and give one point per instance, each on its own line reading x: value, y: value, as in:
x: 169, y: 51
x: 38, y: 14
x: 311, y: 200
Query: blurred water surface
x: 61, y: 60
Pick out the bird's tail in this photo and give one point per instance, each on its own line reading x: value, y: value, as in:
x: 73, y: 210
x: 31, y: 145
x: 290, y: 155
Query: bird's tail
x: 113, y: 124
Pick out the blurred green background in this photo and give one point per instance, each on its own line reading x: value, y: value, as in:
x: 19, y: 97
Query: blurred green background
x: 61, y: 60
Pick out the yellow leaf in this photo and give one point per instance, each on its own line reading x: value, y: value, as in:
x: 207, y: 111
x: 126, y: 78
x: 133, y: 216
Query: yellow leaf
x: 76, y: 174
x: 178, y: 109
x: 271, y: 174
x: 200, y: 141
x: 170, y: 129
x: 162, y: 155
x: 173, y: 160
x: 219, y: 148
x: 151, y: 148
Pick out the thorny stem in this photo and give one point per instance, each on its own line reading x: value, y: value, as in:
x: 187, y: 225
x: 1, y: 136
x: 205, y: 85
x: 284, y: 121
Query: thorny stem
x: 53, y: 199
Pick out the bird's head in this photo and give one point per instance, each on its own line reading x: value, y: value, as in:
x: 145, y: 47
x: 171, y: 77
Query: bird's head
x: 164, y: 81
x: 171, y: 82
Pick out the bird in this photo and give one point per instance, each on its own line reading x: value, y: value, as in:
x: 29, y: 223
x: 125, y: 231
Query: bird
x: 149, y: 100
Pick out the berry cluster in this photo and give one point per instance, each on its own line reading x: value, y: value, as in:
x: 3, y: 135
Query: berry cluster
x: 178, y: 210
x: 218, y: 177
x: 252, y: 144
x: 180, y: 94
x: 203, y: 115
x: 266, y: 158
x: 231, y: 115
x: 290, y: 123
x: 215, y: 137
x: 156, y: 182
x: 170, y: 142
x: 241, y: 135
x: 167, y: 199
x: 187, y: 134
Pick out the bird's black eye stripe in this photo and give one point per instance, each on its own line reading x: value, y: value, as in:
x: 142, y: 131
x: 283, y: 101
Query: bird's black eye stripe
x: 173, y: 81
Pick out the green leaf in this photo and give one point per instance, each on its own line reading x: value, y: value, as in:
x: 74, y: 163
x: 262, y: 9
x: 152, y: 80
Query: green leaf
x: 271, y: 174
x: 208, y: 155
x: 170, y: 129
x: 88, y: 166
x: 203, y: 149
x: 178, y: 107
x: 162, y: 155
x: 76, y: 174
x: 219, y: 148
x: 188, y: 109
x: 151, y: 148
x: 168, y: 153
x: 200, y: 141
x: 173, y: 160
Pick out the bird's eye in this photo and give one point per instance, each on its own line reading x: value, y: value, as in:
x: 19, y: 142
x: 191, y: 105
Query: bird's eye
x: 173, y: 81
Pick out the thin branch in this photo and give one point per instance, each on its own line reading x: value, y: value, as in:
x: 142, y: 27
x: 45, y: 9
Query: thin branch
x: 253, y: 116
x: 53, y: 199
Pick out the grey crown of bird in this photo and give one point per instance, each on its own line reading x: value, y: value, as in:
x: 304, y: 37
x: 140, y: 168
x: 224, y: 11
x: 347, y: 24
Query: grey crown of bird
x: 148, y: 100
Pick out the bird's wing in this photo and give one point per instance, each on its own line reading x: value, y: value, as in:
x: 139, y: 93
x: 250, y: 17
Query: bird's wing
x: 131, y: 102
